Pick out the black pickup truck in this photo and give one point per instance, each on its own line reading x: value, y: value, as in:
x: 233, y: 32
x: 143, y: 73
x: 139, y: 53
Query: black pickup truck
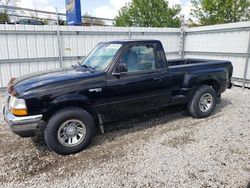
x: 115, y: 80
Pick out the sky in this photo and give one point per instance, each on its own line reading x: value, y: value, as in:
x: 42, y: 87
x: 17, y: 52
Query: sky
x: 97, y: 8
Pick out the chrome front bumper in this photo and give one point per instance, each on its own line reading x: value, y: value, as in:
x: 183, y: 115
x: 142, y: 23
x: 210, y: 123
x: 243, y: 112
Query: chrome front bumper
x: 23, y: 126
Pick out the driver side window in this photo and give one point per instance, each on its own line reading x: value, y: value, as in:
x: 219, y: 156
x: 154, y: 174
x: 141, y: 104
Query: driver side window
x: 139, y: 58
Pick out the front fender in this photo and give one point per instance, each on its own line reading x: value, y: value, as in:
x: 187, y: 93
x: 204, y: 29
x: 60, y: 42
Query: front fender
x: 69, y: 98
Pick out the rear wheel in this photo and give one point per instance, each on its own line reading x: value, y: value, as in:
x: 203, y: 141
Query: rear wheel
x: 203, y: 102
x: 69, y: 131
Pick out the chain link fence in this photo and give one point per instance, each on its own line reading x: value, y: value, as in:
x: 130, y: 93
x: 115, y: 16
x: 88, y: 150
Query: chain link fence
x: 18, y: 15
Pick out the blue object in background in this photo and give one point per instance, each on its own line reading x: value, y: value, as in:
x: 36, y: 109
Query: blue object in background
x: 73, y: 11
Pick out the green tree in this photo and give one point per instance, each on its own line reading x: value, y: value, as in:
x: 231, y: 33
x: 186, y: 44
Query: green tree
x: 209, y: 12
x: 5, y: 12
x: 61, y: 21
x: 4, y: 18
x: 148, y: 13
x: 89, y: 20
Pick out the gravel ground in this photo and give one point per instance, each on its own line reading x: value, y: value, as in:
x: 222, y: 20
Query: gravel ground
x: 166, y: 149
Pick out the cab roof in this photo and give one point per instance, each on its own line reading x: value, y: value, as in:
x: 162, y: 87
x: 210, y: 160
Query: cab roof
x: 132, y: 40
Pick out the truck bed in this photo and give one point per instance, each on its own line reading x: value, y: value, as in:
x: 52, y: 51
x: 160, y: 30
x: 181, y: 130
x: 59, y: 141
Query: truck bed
x: 194, y: 65
x: 180, y: 68
x: 174, y: 62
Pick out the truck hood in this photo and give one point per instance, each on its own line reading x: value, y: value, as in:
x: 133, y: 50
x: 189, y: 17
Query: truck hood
x: 53, y: 79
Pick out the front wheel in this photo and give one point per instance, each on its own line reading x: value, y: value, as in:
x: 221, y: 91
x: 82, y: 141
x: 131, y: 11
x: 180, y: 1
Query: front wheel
x: 69, y: 131
x: 203, y: 102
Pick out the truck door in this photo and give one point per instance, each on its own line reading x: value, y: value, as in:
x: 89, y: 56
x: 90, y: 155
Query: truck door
x: 142, y: 85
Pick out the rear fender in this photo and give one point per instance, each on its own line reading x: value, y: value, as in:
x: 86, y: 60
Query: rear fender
x: 194, y: 81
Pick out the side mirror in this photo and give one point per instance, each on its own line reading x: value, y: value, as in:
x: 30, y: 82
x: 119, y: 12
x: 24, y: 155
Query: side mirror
x: 120, y: 68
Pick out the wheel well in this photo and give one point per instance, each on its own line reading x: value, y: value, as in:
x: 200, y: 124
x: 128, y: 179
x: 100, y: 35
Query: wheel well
x: 63, y: 105
x: 214, y: 84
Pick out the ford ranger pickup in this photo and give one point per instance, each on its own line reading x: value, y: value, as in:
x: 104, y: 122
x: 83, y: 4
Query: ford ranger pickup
x: 115, y: 80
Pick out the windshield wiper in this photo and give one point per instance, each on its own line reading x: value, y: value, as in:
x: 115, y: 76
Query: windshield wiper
x: 79, y: 66
x: 91, y: 69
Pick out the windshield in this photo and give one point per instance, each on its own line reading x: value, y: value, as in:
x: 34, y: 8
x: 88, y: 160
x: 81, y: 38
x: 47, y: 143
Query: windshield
x: 101, y: 56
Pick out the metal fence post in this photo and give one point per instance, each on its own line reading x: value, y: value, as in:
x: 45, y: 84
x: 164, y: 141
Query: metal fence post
x: 129, y: 33
x: 182, y: 37
x: 246, y: 64
x: 59, y: 42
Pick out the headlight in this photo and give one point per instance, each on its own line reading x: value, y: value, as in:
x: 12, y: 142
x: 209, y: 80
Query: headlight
x: 18, y: 106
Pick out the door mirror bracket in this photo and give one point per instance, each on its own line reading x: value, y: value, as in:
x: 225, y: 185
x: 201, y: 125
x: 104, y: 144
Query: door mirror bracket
x: 120, y: 69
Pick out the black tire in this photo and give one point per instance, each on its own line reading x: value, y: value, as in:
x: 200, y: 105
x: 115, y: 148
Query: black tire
x: 58, y: 119
x: 194, y: 105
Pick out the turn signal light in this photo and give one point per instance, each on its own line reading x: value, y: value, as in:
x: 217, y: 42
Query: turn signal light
x: 19, y: 112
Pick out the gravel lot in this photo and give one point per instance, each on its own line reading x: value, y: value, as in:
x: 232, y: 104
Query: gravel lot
x: 166, y: 149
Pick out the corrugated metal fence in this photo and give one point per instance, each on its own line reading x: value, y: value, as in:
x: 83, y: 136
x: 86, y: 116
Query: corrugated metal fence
x: 25, y: 49
x: 225, y: 42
